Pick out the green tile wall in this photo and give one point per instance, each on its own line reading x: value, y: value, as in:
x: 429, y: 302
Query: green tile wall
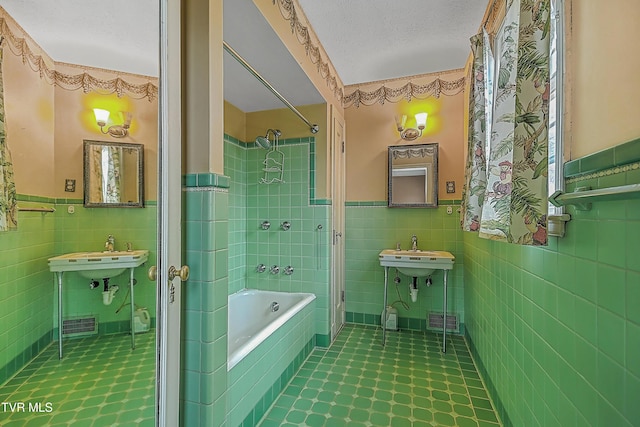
x: 370, y: 228
x: 305, y: 246
x: 28, y: 296
x: 26, y: 289
x: 556, y: 330
x: 87, y: 229
x: 204, y: 370
x: 235, y: 165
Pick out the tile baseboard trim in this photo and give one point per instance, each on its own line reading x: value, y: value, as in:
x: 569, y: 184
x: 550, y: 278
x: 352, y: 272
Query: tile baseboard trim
x: 405, y: 323
x: 26, y: 356
x: 491, y: 389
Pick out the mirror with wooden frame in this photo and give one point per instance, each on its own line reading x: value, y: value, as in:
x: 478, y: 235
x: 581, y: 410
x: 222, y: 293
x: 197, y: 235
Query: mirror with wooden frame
x: 113, y: 175
x: 413, y: 176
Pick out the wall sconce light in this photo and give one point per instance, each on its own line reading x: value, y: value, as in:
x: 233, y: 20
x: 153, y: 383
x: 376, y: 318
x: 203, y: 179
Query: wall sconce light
x: 116, y: 131
x: 409, y: 134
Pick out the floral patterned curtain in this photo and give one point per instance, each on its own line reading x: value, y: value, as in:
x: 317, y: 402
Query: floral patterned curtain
x: 476, y: 169
x: 514, y: 205
x: 8, y: 203
x: 96, y: 171
x: 111, y: 185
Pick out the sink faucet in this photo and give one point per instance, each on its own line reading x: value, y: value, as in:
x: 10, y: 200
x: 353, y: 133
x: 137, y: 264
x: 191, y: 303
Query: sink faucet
x: 414, y: 243
x: 110, y: 243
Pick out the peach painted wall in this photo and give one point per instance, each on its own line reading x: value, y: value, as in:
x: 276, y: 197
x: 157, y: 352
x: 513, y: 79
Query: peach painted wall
x: 203, y: 89
x: 603, y: 64
x: 74, y: 122
x: 371, y: 129
x: 47, y: 124
x: 29, y: 109
x: 235, y: 122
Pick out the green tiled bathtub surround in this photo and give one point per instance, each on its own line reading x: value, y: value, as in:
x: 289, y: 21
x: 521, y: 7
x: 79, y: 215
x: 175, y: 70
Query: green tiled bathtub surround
x: 370, y: 229
x: 26, y: 288
x: 557, y: 328
x: 100, y: 382
x: 253, y: 377
x: 235, y: 166
x: 272, y: 393
x: 409, y: 382
x: 204, y: 370
x: 305, y: 246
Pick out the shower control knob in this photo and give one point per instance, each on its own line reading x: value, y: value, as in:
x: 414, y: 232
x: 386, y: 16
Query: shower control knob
x: 288, y: 270
x: 275, y: 269
x: 265, y: 225
x: 261, y: 268
x: 285, y: 225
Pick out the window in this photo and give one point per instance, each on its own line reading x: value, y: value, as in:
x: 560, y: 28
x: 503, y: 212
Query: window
x: 556, y: 75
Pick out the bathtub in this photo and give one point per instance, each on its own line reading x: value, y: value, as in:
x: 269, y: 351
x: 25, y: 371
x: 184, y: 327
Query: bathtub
x: 255, y: 315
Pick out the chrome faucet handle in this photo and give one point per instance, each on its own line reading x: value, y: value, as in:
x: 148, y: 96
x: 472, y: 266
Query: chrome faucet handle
x: 110, y: 243
x: 414, y: 243
x: 129, y: 247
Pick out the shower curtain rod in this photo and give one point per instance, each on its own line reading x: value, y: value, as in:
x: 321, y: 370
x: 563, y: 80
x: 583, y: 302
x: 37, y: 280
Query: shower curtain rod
x: 312, y: 127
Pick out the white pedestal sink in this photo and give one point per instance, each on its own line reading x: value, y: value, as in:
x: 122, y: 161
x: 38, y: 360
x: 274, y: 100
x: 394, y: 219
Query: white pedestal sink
x: 97, y: 265
x: 416, y: 263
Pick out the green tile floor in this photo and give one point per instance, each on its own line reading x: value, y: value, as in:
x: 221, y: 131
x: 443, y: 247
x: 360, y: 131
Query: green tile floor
x: 99, y: 382
x: 409, y: 382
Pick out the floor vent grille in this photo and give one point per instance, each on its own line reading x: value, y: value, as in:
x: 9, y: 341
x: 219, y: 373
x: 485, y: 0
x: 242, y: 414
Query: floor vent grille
x: 434, y: 321
x: 79, y: 326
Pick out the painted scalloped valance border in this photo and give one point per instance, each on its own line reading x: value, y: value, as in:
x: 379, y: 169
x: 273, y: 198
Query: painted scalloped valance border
x: 85, y: 81
x: 304, y: 35
x: 408, y: 91
x: 382, y: 94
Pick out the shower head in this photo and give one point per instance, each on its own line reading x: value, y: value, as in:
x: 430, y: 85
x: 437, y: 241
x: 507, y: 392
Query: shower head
x: 263, y: 141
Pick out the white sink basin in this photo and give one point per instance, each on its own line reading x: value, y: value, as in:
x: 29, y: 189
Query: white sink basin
x: 99, y: 265
x: 416, y: 263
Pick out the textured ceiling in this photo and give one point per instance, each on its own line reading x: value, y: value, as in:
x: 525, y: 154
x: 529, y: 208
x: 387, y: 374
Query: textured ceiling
x: 370, y: 40
x: 366, y: 40
x: 123, y: 36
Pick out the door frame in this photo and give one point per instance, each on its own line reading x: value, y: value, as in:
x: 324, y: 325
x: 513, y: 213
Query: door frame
x: 338, y: 149
x: 169, y: 216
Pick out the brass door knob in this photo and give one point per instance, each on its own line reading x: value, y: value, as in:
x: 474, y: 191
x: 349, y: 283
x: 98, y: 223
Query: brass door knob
x: 152, y: 274
x: 182, y: 273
